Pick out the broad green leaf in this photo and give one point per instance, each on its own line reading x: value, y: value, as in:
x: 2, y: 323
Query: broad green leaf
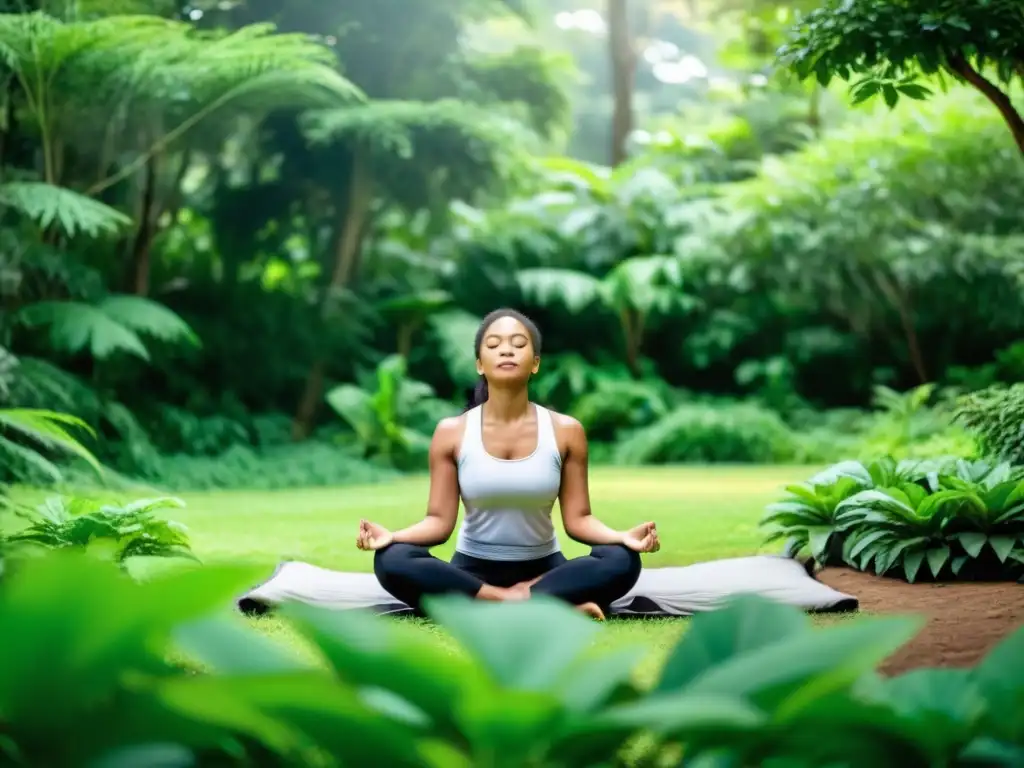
x: 230, y: 646
x: 590, y: 683
x: 819, y: 541
x: 523, y: 645
x: 1000, y: 676
x: 748, y: 623
x: 937, y: 558
x: 1002, y: 546
x: 798, y: 669
x: 329, y: 715
x: 972, y: 542
x: 367, y: 650
x: 912, y: 564
x: 508, y: 727
x: 864, y: 540
x: 149, y: 755
x: 947, y: 702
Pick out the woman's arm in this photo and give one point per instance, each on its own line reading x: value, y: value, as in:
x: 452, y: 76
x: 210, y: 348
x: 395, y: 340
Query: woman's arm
x: 574, y: 496
x: 443, y: 501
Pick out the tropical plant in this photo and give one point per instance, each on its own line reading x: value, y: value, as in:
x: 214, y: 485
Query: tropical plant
x: 117, y: 532
x: 883, y: 471
x: 899, y: 528
x: 390, y: 414
x: 636, y: 290
x: 996, y: 415
x: 963, y: 519
x: 114, y: 324
x: 47, y: 430
x: 914, y: 424
x: 807, y: 518
x: 179, y: 681
x: 892, y: 47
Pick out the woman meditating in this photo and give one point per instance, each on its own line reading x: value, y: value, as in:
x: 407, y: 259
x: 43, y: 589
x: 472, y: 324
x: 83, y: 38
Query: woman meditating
x: 509, y: 459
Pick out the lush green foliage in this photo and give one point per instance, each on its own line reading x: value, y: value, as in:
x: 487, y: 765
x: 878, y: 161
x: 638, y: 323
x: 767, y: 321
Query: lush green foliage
x: 526, y: 690
x: 997, y: 416
x: 890, y: 46
x: 940, y: 519
x: 204, y: 262
x: 392, y: 415
x: 115, y: 532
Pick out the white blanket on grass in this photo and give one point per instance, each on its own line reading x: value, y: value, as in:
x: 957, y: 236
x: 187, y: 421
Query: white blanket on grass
x: 681, y: 591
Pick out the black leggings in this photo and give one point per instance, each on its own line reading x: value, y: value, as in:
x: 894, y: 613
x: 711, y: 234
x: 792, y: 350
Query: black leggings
x: 409, y: 573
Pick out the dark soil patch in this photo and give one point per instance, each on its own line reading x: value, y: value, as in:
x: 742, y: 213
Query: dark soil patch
x: 965, y: 619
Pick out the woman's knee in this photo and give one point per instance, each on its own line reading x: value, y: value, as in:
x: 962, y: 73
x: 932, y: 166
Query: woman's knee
x: 394, y: 559
x: 620, y: 558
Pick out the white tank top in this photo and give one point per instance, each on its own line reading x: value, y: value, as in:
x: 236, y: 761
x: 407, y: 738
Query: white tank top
x: 508, y: 501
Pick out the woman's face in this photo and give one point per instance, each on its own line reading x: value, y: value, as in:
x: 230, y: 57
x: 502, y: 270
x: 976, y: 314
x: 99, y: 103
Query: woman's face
x: 506, y: 352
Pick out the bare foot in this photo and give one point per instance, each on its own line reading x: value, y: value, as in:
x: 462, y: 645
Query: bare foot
x: 592, y: 610
x: 501, y: 594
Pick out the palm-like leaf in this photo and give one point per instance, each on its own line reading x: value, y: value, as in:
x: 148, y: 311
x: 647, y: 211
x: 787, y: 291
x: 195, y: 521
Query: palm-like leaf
x: 900, y: 527
x: 124, y: 68
x: 48, y: 205
x: 647, y: 284
x: 574, y: 290
x: 115, y: 324
x: 454, y: 331
x: 808, y: 517
x: 48, y: 429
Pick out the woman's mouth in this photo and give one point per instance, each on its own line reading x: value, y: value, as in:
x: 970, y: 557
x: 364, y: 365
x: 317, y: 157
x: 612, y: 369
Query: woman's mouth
x: 508, y: 366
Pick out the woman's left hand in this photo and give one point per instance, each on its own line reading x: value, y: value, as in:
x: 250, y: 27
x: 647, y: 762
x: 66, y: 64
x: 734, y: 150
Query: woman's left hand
x: 643, y: 538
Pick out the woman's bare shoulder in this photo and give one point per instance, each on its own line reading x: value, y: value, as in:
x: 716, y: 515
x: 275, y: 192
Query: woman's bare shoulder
x: 449, y: 431
x: 565, y: 423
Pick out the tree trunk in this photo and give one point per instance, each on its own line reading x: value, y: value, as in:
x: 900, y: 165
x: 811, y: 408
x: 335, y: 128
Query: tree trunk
x: 352, y: 221
x: 962, y: 67
x: 623, y: 64
x: 140, y: 256
x: 814, y: 109
x: 633, y: 333
x: 406, y: 331
x: 901, y: 304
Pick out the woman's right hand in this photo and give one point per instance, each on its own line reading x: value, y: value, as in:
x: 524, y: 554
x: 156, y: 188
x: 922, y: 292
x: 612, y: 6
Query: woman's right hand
x: 372, y: 536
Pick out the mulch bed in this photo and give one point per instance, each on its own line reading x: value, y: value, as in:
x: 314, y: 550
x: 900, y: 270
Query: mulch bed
x: 965, y: 620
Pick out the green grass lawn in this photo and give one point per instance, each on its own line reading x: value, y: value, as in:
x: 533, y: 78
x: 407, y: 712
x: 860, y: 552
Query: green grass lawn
x: 703, y: 513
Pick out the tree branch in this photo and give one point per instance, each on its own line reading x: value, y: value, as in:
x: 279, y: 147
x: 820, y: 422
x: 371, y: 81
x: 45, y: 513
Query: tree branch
x: 961, y: 66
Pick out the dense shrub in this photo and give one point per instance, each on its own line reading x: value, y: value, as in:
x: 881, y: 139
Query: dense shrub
x: 909, y: 519
x: 177, y: 682
x: 996, y: 415
x: 307, y: 464
x: 742, y: 433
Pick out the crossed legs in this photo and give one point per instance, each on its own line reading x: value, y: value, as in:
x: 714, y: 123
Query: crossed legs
x: 410, y: 573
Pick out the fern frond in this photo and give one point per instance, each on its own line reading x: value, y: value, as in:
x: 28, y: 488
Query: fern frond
x: 575, y: 290
x: 47, y: 428
x: 148, y: 317
x: 397, y: 127
x: 47, y: 204
x: 31, y: 458
x: 76, y: 326
x: 113, y: 325
x: 454, y: 331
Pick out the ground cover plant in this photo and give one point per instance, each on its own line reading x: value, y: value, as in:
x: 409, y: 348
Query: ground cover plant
x: 169, y: 679
x: 910, y: 519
